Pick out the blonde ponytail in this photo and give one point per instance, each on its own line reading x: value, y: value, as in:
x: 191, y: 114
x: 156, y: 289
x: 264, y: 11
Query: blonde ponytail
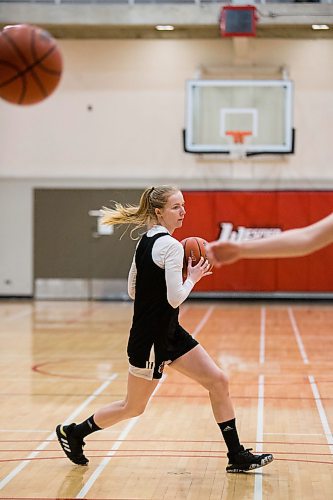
x: 140, y: 215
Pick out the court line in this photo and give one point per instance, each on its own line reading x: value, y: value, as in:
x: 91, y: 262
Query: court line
x: 24, y: 430
x: 298, y: 336
x: 257, y: 495
x: 116, y: 445
x: 68, y: 498
x: 262, y: 335
x: 204, y: 320
x: 301, y: 443
x: 37, y: 368
x: 260, y: 435
x: 260, y: 414
x: 98, y: 471
x: 322, y: 413
x: 187, y: 395
x: 212, y: 441
x: 52, y: 436
x: 314, y: 388
x: 125, y: 455
x: 197, y: 396
x: 16, y: 316
x: 160, y: 451
x: 292, y: 434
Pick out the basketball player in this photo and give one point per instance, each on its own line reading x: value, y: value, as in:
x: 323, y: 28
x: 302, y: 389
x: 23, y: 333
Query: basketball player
x: 291, y: 243
x: 156, y: 337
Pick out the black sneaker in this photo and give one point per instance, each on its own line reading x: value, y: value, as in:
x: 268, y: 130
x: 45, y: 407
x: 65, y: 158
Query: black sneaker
x: 72, y: 446
x: 244, y: 461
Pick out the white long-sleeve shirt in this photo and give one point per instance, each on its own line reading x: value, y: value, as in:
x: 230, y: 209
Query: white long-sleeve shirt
x: 168, y: 254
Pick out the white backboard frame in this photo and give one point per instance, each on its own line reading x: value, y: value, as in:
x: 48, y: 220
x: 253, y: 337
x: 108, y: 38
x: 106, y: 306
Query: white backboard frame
x: 286, y: 146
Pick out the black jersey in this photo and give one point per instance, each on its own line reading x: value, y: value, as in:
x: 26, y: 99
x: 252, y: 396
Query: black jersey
x: 156, y: 336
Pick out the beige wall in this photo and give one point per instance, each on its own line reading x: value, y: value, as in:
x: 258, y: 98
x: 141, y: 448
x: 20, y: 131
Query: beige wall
x: 136, y: 88
x: 132, y: 138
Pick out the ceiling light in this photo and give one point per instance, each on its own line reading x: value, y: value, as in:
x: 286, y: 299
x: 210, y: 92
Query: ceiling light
x: 320, y: 27
x: 164, y: 27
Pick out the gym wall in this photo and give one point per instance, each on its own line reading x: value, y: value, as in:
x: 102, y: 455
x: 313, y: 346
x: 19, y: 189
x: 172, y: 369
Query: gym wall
x: 116, y: 122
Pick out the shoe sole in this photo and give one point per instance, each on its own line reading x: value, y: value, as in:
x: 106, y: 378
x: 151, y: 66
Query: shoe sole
x: 63, y: 441
x: 264, y: 461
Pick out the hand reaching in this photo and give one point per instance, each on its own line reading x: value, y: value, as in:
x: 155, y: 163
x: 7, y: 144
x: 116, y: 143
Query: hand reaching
x: 222, y: 252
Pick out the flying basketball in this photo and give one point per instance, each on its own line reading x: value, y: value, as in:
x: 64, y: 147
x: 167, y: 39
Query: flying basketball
x: 194, y: 247
x: 30, y: 64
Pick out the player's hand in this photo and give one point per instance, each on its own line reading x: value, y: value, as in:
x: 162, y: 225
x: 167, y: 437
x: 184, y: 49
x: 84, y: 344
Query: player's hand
x: 222, y: 252
x: 195, y: 273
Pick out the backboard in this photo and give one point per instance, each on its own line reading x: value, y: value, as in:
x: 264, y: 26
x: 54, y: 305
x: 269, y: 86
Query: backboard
x: 246, y: 116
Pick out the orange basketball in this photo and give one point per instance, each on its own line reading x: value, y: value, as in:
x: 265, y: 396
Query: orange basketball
x: 30, y: 64
x: 194, y: 247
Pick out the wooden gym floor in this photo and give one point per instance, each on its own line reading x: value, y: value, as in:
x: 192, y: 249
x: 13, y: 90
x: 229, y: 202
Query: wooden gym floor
x: 62, y: 360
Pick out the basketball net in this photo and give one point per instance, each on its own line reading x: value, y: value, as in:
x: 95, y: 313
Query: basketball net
x: 239, y: 140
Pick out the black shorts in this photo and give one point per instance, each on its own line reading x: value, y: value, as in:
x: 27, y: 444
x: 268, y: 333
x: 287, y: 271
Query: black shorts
x: 150, y: 364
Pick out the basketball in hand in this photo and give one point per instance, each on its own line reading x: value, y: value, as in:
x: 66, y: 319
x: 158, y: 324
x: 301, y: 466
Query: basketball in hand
x: 30, y: 64
x: 194, y: 247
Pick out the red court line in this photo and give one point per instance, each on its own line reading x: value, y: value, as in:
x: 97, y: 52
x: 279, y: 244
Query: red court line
x: 74, y: 377
x: 62, y: 498
x: 37, y: 368
x: 177, y: 451
x: 192, y: 396
x: 124, y: 455
x: 198, y: 396
x: 285, y: 443
x: 76, y: 395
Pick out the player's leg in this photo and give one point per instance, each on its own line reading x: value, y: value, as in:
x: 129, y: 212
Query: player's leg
x: 139, y: 391
x: 71, y: 437
x: 199, y: 366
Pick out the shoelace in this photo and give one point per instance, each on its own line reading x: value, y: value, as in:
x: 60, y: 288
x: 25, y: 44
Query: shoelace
x: 247, y: 451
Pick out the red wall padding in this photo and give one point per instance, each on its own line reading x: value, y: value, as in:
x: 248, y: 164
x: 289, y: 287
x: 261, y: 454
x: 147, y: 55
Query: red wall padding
x: 206, y: 210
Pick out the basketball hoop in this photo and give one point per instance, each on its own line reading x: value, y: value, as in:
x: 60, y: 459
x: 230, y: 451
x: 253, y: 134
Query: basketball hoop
x: 238, y: 135
x: 239, y: 141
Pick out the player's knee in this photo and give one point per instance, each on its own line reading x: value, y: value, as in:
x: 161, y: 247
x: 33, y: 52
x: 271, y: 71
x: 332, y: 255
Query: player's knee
x: 221, y: 383
x: 224, y: 382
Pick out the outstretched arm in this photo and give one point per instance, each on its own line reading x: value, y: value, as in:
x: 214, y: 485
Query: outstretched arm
x: 291, y: 243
